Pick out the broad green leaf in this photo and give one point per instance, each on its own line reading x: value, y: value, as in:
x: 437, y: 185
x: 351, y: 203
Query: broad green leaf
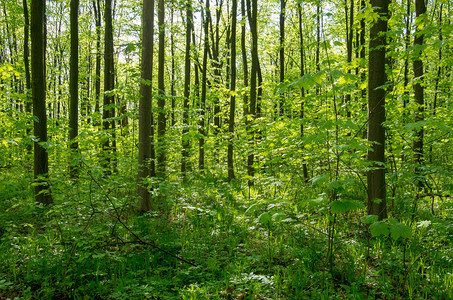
x: 278, y: 217
x: 342, y: 206
x: 400, y: 230
x: 369, y: 219
x: 264, y: 218
x: 379, y: 228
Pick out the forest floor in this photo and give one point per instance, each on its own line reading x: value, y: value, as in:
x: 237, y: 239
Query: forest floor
x: 210, y: 239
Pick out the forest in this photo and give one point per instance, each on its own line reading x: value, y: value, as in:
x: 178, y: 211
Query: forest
x: 226, y: 149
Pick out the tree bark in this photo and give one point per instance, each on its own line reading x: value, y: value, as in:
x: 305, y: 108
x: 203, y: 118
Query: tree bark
x: 376, y: 200
x: 420, y: 10
x: 185, y: 116
x: 302, y: 90
x: 109, y: 145
x: 41, y: 158
x: 253, y: 7
x: 230, y: 155
x: 146, y: 154
x: 161, y: 118
x: 282, y: 53
x: 202, y: 122
x: 73, y: 86
x: 97, y: 84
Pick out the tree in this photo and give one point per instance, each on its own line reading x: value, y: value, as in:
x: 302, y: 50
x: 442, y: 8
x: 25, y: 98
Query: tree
x: 97, y: 84
x: 161, y: 118
x: 420, y: 10
x: 230, y: 155
x: 38, y: 52
x: 146, y: 154
x: 28, y: 105
x: 376, y: 198
x: 185, y: 116
x: 202, y: 122
x: 109, y: 145
x: 74, y: 84
x: 282, y: 53
x: 253, y: 16
x: 302, y: 90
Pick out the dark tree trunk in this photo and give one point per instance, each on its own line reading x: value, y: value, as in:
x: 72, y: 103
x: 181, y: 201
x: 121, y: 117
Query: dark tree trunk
x: 28, y: 102
x: 244, y: 60
x: 146, y: 155
x: 38, y: 50
x: 230, y: 155
x: 253, y: 7
x: 97, y: 82
x: 161, y: 118
x: 202, y: 122
x: 74, y: 85
x: 349, y: 37
x: 173, y: 69
x: 376, y: 202
x: 420, y: 10
x: 282, y: 53
x: 302, y: 90
x: 109, y: 145
x: 185, y: 115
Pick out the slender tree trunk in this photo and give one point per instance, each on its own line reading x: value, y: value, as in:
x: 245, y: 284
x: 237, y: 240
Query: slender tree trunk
x: 244, y: 60
x: 74, y: 85
x: 376, y: 202
x: 406, y: 61
x: 173, y: 69
x: 349, y: 37
x: 302, y: 90
x: 438, y: 77
x: 185, y: 117
x: 161, y: 118
x: 202, y: 122
x: 420, y: 10
x: 282, y: 53
x: 230, y: 155
x: 146, y: 154
x: 97, y: 82
x: 28, y: 99
x: 253, y: 7
x: 41, y: 158
x: 109, y: 145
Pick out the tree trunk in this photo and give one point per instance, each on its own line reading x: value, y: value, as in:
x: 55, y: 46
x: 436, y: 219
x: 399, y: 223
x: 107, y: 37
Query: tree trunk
x: 185, y: 116
x: 161, y: 118
x: 302, y: 90
x: 282, y: 53
x: 28, y: 103
x: 109, y: 145
x: 376, y: 202
x: 73, y: 86
x: 38, y: 50
x: 97, y: 95
x: 146, y: 154
x: 230, y: 155
x: 253, y: 7
x: 202, y: 122
x: 420, y: 10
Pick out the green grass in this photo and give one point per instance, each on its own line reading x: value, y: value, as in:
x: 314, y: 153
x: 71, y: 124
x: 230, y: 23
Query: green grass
x: 268, y: 242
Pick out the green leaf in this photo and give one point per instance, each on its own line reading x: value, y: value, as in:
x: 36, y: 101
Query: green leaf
x: 400, y: 230
x: 379, y: 228
x: 264, y: 218
x: 319, y: 180
x: 342, y: 206
x: 369, y: 219
x: 278, y: 217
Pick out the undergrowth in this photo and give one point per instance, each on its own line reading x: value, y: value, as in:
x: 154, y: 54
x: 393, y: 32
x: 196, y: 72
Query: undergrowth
x: 210, y: 239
